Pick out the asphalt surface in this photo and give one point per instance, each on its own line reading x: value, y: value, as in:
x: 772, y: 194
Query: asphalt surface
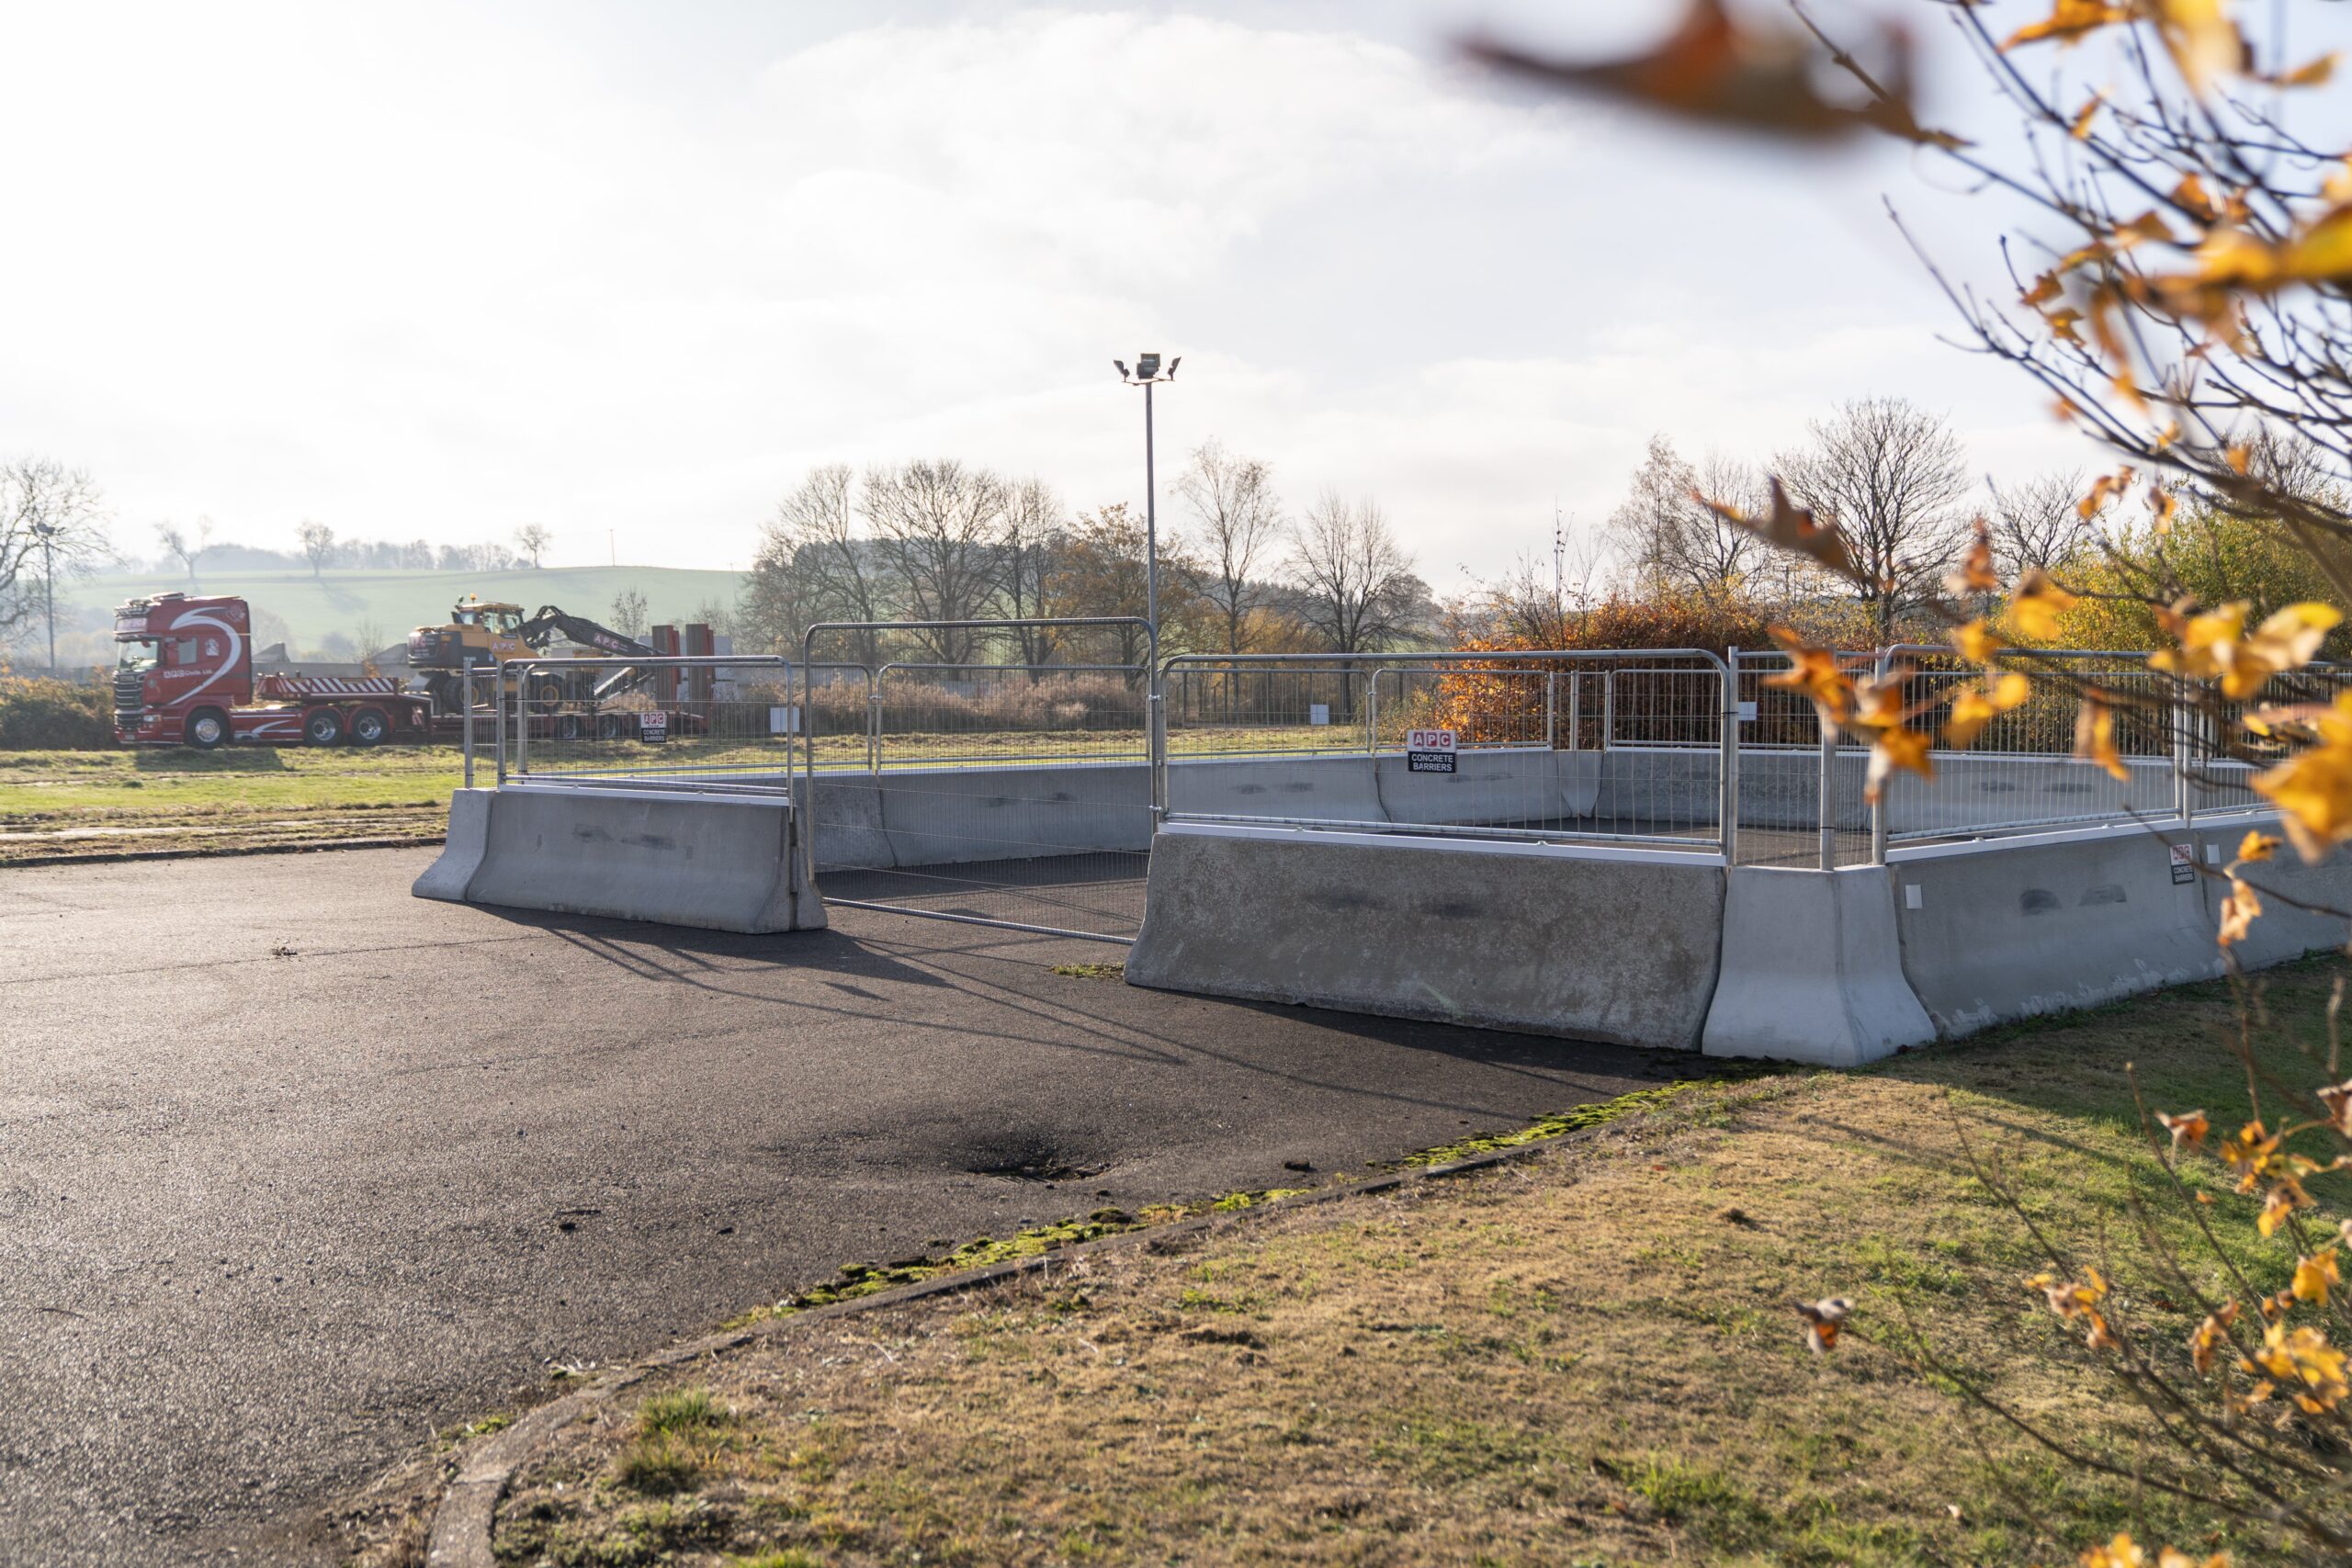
x: 295, y: 1169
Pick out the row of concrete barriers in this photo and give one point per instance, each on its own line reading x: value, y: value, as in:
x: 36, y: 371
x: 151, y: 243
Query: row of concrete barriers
x: 1645, y: 946
x: 1652, y: 949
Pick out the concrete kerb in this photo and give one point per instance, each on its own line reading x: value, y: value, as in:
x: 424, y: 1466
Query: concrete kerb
x: 465, y: 1518
x: 1812, y: 970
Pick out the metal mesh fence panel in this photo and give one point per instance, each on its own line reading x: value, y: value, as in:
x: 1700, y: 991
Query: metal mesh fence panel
x: 1543, y: 746
x: 993, y: 791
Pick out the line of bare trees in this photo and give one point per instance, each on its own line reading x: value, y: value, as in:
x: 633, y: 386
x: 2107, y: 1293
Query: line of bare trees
x: 1888, y: 477
x: 940, y: 540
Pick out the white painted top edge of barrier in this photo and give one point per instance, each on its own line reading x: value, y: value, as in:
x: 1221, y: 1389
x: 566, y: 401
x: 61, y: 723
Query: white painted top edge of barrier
x: 712, y: 797
x: 2203, y: 821
x: 1453, y: 846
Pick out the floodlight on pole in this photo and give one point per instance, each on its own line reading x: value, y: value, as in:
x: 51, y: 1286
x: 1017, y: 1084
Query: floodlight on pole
x: 1147, y: 374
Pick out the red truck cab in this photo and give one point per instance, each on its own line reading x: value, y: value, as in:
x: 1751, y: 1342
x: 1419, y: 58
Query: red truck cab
x: 186, y: 677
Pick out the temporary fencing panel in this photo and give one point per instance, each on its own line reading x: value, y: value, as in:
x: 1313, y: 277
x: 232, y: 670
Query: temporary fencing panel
x: 1016, y: 795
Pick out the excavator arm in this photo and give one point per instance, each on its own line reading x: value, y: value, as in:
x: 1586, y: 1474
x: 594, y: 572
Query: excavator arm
x: 542, y: 627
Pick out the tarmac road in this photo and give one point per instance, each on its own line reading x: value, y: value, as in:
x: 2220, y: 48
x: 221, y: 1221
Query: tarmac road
x: 295, y: 1169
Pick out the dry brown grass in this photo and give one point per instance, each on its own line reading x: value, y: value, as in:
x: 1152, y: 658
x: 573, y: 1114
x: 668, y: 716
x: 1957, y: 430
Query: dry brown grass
x: 1589, y: 1357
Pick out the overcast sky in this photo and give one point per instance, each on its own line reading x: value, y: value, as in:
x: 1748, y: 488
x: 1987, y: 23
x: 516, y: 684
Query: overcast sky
x: 437, y: 270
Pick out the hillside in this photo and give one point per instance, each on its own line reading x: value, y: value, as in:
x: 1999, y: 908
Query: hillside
x: 390, y: 602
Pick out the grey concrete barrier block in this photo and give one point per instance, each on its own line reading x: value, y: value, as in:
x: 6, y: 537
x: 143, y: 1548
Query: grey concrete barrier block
x: 1588, y: 946
x: 2282, y: 932
x: 847, y: 826
x: 1812, y: 970
x: 719, y: 862
x: 1995, y: 932
x: 461, y: 852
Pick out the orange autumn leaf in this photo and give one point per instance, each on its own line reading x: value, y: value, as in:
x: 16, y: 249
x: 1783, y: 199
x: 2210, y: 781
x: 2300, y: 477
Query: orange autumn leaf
x: 2070, y: 21
x: 2315, y: 1276
x: 2189, y: 1128
x: 2285, y: 1197
x: 2305, y: 1364
x: 1823, y: 1319
x: 2337, y: 1099
x: 2256, y: 847
x: 2095, y: 736
x: 1975, y: 573
x: 2239, y: 910
x: 2214, y: 645
x: 2210, y: 1335
x: 2312, y: 789
x: 1975, y: 707
x: 1715, y: 68
x: 1788, y: 526
x: 1975, y: 642
x: 2036, y: 605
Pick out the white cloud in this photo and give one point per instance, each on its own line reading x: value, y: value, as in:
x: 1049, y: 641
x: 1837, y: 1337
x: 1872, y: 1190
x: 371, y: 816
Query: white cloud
x: 443, y: 269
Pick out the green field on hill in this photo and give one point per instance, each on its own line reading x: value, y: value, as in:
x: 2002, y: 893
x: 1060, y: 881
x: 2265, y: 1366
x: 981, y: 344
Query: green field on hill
x: 392, y: 602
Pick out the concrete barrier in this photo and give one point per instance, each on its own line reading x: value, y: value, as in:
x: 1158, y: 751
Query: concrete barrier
x: 2283, y: 932
x: 722, y: 863
x: 1591, y: 944
x: 1812, y: 970
x: 461, y: 852
x: 1991, y: 932
x: 1340, y: 788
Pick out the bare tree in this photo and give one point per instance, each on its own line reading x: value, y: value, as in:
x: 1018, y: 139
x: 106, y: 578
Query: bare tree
x: 935, y: 523
x: 1672, y: 538
x: 1099, y: 572
x: 1888, y: 479
x: 2039, y: 522
x: 813, y: 566
x: 533, y: 540
x: 318, y: 544
x: 629, y: 613
x: 1029, y: 538
x: 52, y: 519
x: 1240, y: 526
x: 186, y: 543
x: 1355, y: 584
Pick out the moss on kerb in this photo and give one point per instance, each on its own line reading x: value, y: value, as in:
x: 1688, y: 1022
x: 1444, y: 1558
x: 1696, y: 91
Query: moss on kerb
x: 868, y: 1279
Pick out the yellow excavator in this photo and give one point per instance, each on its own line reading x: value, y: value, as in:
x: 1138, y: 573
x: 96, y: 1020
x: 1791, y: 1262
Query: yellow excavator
x: 481, y: 633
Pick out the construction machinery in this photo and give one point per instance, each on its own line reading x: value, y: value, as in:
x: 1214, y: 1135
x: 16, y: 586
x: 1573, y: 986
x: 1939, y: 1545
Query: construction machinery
x: 483, y: 634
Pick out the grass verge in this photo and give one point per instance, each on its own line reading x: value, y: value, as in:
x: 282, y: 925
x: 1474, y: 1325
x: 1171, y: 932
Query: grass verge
x: 1587, y: 1356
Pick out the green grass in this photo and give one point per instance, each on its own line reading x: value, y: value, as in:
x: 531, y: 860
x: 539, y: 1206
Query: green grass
x: 1586, y: 1358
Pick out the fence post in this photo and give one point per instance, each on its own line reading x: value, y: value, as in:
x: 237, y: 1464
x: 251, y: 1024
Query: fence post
x: 1729, y: 810
x: 1608, y: 705
x: 874, y: 721
x: 2183, y: 799
x: 1576, y: 716
x: 497, y: 717
x: 1878, y: 806
x: 1828, y: 794
x: 1552, y: 709
x: 1372, y: 714
x: 522, y: 725
x: 466, y: 689
x: 1155, y: 731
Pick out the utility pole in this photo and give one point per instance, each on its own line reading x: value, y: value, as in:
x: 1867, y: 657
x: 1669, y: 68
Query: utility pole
x: 47, y: 534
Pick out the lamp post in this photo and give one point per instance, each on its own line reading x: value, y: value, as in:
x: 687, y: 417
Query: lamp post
x: 1147, y: 374
x: 47, y: 534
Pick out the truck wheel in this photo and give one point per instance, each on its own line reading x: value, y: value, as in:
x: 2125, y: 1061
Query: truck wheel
x: 323, y: 727
x: 207, y: 727
x: 370, y: 727
x: 608, y: 726
x: 567, y: 726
